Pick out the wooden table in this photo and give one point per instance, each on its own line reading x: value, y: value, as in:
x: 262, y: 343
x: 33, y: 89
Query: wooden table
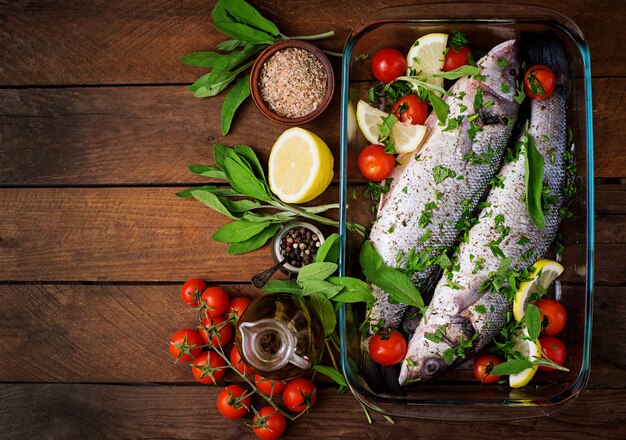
x: 97, y: 130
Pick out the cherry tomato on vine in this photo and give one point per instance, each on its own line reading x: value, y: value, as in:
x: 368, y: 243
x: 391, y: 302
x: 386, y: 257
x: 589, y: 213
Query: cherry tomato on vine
x: 214, y: 301
x: 387, y: 347
x: 219, y: 337
x: 269, y: 424
x: 191, y: 291
x: 230, y: 402
x: 235, y: 359
x: 269, y: 387
x: 299, y: 394
x: 553, y: 316
x: 388, y: 64
x: 208, y: 367
x: 483, y: 366
x: 237, y: 306
x: 409, y: 109
x: 375, y: 164
x: 539, y: 82
x: 456, y: 58
x: 554, y: 349
x: 185, y: 344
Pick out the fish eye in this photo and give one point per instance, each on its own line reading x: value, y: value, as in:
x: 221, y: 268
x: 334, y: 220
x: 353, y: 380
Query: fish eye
x: 431, y: 367
x: 513, y: 72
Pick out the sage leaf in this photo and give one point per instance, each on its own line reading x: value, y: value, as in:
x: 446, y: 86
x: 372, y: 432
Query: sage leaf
x: 238, y: 231
x: 230, y: 44
x: 212, y: 83
x: 244, y: 32
x: 354, y: 290
x: 329, y: 250
x: 243, y: 180
x: 202, y: 59
x: 225, y: 192
x: 324, y: 309
x: 331, y: 373
x: 212, y: 201
x: 511, y: 367
x: 459, y: 72
x: 235, y: 97
x: 533, y: 176
x: 254, y: 242
x: 240, y: 205
x: 533, y: 321
x: 316, y: 271
x: 280, y: 286
x: 243, y: 12
x: 440, y: 107
x: 207, y: 171
x: 311, y: 286
x: 397, y: 284
x: 248, y: 154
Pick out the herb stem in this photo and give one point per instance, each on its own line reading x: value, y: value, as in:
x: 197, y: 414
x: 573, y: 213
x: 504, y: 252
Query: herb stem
x: 332, y: 54
x: 367, y: 414
x: 311, y: 37
x: 332, y: 357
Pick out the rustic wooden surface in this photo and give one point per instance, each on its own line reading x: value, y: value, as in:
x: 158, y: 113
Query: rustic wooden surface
x: 96, y: 131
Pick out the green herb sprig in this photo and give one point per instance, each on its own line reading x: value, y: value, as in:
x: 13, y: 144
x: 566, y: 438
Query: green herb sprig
x: 251, y: 33
x: 248, y: 193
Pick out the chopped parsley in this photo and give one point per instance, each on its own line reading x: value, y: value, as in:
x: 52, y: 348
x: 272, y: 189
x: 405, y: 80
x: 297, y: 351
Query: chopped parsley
x: 519, y: 93
x: 441, y: 173
x: 522, y: 241
x: 375, y: 190
x: 438, y: 336
x: 503, y: 62
x: 480, y: 309
x: 505, y: 88
x: 497, y: 181
x: 425, y: 236
x: 460, y: 350
x: 458, y: 40
x: 426, y: 215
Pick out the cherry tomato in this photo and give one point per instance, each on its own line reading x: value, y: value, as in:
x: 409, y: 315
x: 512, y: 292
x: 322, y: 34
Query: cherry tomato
x: 539, y: 82
x: 298, y: 393
x: 387, y: 347
x: 375, y: 164
x: 191, y: 291
x: 456, y: 58
x: 214, y: 301
x: 208, y: 372
x: 269, y: 424
x: 269, y: 387
x: 388, y: 64
x: 219, y: 337
x: 554, y: 349
x: 409, y: 109
x: 185, y: 344
x: 237, y: 306
x: 483, y: 366
x: 230, y: 402
x: 235, y: 359
x: 553, y: 316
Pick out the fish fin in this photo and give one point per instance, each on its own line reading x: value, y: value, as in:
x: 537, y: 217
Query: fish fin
x: 468, y: 299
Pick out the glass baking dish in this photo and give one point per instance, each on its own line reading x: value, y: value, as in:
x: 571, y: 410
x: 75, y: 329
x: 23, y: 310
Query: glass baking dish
x: 456, y: 395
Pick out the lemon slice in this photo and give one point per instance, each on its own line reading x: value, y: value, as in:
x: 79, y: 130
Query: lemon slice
x: 426, y: 57
x: 546, y: 271
x: 532, y: 350
x: 300, y: 166
x: 405, y: 137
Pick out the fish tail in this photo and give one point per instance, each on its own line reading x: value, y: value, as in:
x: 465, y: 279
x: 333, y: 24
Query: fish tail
x: 548, y: 49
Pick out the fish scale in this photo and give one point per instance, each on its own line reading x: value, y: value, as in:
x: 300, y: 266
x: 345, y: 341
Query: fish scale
x: 397, y: 229
x: 525, y: 243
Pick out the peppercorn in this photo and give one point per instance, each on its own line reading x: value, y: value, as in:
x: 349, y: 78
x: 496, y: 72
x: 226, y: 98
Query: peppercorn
x: 299, y: 246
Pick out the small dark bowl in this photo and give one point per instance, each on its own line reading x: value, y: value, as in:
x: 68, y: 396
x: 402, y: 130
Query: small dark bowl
x: 256, y: 71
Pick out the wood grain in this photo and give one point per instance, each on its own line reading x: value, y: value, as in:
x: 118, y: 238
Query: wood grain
x: 149, y: 135
x: 99, y: 42
x: 119, y: 333
x: 106, y: 411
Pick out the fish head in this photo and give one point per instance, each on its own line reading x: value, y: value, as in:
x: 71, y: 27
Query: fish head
x: 501, y: 68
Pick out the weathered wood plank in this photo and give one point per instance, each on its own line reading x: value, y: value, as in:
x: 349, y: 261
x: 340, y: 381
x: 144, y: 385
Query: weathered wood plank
x: 119, y: 333
x: 149, y: 135
x: 105, y: 411
x: 137, y: 42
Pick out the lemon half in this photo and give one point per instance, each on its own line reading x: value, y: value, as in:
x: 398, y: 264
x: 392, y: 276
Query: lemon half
x: 405, y: 137
x: 545, y: 272
x: 300, y: 166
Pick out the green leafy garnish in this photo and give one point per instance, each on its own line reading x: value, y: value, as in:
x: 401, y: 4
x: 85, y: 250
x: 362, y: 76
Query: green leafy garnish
x: 533, y: 176
x: 441, y: 173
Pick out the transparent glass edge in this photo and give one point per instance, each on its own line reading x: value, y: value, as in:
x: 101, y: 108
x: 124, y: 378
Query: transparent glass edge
x: 563, y: 399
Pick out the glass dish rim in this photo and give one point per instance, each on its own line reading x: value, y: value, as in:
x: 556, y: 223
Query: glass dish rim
x: 539, y: 15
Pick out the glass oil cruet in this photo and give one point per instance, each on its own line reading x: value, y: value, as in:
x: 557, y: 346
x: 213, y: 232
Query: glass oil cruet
x: 280, y: 336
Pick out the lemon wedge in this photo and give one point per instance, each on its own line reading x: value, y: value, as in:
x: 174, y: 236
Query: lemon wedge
x: 545, y: 272
x: 426, y: 57
x: 532, y: 350
x: 405, y: 137
x: 300, y: 166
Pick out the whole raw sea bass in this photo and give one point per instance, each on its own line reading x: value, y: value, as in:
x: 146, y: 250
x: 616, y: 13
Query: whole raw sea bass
x: 457, y: 307
x: 436, y: 188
